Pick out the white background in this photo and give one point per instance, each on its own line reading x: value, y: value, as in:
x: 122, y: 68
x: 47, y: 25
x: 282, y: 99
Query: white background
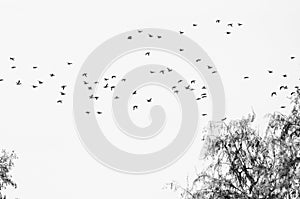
x: 52, y: 162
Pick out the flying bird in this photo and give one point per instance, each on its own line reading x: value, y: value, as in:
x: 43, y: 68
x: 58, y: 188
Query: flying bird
x: 87, y: 112
x: 203, y: 87
x: 84, y: 74
x: 193, y: 81
x: 179, y: 80
x: 273, y: 93
x: 169, y: 69
x: 282, y: 107
x: 150, y: 35
x: 293, y: 57
x: 52, y: 75
x: 18, y: 82
x: 12, y: 58
x: 181, y: 49
x: 176, y: 91
x: 40, y: 82
x: 106, y: 86
x: 209, y: 67
x: 13, y: 67
x: 187, y: 87
x: 96, y: 82
x: 129, y: 37
x: 158, y: 36
x: 62, y: 93
x: 152, y: 72
x: 1, y: 80
x: 230, y: 24
x: 199, y: 98
x: 69, y: 63
x: 218, y: 21
x: 239, y: 24
x: 96, y: 97
x: 34, y: 67
x: 85, y: 82
x: 223, y: 119
x: 173, y: 87
x: 140, y: 31
x: 181, y: 32
x: 147, y: 54
x: 246, y: 77
x: 285, y: 75
x: 59, y: 101
x: 117, y: 97
x: 90, y: 88
x: 134, y: 107
x: 149, y: 100
x: 34, y: 86
x: 228, y: 33
x: 194, y: 24
x: 99, y: 112
x: 112, y: 87
x: 123, y: 80
x: 113, y: 76
x: 204, y: 114
x: 134, y: 93
x: 197, y: 60
x: 270, y: 71
x: 162, y: 72
x: 105, y: 79
x: 63, y: 87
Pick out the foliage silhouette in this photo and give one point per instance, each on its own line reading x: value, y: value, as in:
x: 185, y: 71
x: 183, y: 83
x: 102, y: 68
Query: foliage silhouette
x: 248, y: 164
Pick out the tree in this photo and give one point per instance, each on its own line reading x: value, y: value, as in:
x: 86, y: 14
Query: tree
x: 248, y: 164
x: 6, y: 164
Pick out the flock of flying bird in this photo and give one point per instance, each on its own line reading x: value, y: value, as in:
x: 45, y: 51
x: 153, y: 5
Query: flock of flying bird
x: 174, y: 88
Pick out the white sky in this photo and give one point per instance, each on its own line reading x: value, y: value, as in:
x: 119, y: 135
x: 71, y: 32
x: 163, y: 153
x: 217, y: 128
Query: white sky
x: 52, y: 162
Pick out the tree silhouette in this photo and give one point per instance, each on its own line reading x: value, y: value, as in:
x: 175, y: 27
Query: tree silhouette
x: 6, y: 164
x: 248, y: 164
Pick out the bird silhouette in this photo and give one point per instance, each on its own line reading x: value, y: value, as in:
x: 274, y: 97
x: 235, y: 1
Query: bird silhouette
x: 105, y: 79
x: 181, y: 49
x: 99, y: 112
x: 246, y: 77
x: 285, y: 75
x: 228, y: 33
x: 96, y: 97
x: 69, y: 63
x: 106, y: 86
x: 176, y: 91
x: 181, y: 32
x: 203, y: 87
x: 292, y: 93
x: 209, y: 67
x: 270, y: 71
x: 169, y: 69
x: 96, y: 82
x: 129, y: 37
x: 140, y: 31
x: 91, y: 96
x: 113, y: 76
x: 204, y: 114
x: 147, y: 53
x: 158, y: 36
x: 214, y: 71
x: 112, y: 87
x: 34, y: 67
x: 218, y: 21
x: 173, y: 87
x: 187, y: 87
x: 239, y: 24
x: 59, y: 101
x: 149, y: 100
x: 134, y: 93
x: 87, y: 112
x: 117, y: 97
x: 162, y: 72
x: 90, y: 88
x: 193, y: 81
x: 230, y: 24
x: 18, y: 82
x: 134, y: 107
x: 52, y: 75
x: 84, y: 74
x: 292, y: 57
x: 34, y: 86
x: 85, y: 82
x: 204, y: 96
x: 194, y: 24
x: 150, y: 35
x: 13, y: 67
x: 179, y: 80
x: 283, y: 87
x: 273, y: 93
x: 152, y: 71
x: 123, y: 80
x: 12, y: 58
x: 191, y: 89
x: 63, y: 87
x: 40, y: 82
x: 223, y: 119
x: 282, y: 107
x: 199, y: 98
x: 1, y: 80
x: 62, y: 93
